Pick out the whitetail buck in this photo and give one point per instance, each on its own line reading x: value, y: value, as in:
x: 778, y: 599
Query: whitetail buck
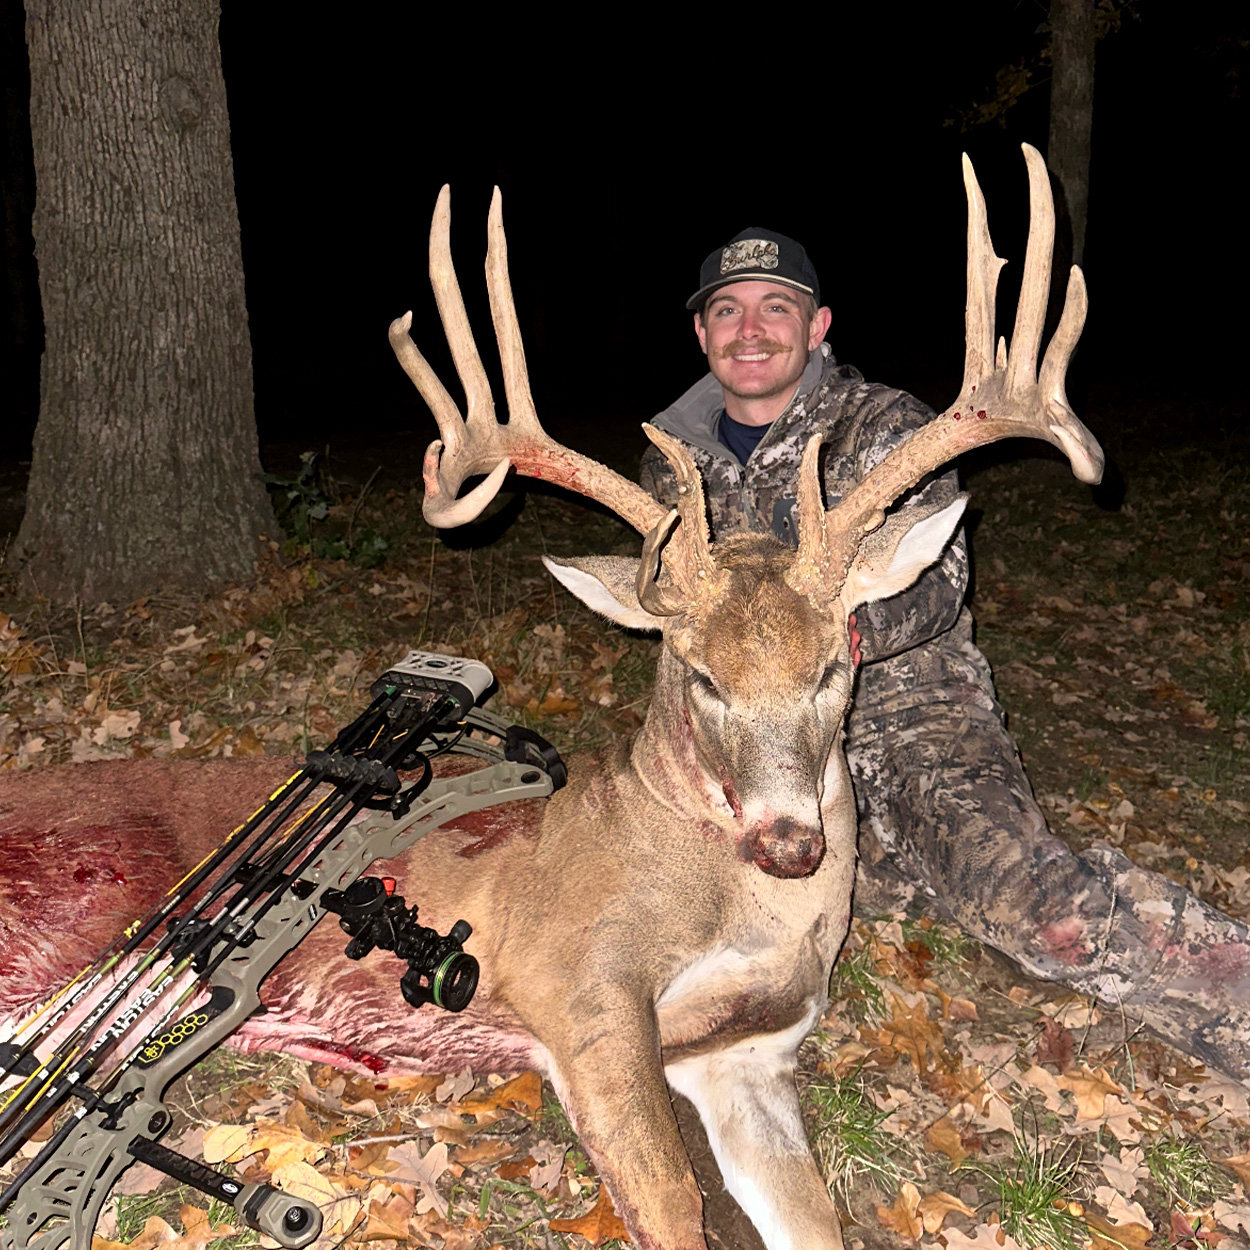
x: 670, y: 919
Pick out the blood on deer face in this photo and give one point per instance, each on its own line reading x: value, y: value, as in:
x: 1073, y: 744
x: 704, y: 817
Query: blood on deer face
x: 763, y: 677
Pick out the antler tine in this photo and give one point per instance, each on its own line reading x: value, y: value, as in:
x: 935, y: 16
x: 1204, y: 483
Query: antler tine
x: 479, y: 403
x: 689, y: 558
x: 1001, y: 397
x: 983, y: 269
x: 516, y: 380
x: 479, y: 443
x: 1026, y: 335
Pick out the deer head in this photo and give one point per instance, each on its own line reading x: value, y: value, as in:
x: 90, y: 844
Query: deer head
x: 755, y: 677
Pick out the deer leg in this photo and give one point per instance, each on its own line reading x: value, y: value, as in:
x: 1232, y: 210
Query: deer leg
x: 747, y: 1099
x: 612, y: 1086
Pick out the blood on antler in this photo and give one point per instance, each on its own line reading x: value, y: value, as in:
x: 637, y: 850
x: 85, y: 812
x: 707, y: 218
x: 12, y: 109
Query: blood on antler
x: 478, y: 443
x: 1002, y: 396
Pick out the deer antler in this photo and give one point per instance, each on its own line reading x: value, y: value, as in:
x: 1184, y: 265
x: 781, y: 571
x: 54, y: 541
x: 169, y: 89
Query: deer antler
x: 1002, y: 394
x: 478, y: 443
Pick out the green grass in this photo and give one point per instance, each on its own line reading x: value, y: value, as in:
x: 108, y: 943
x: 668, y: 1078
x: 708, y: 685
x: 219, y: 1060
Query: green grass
x: 950, y: 947
x: 1184, y: 1174
x: 847, y: 1138
x: 854, y: 983
x: 1033, y: 1192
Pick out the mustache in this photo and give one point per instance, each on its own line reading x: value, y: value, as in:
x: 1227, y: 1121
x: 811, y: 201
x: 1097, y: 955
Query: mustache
x: 739, y: 347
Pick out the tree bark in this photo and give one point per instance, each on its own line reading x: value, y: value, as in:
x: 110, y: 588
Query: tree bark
x: 145, y: 472
x: 1072, y: 111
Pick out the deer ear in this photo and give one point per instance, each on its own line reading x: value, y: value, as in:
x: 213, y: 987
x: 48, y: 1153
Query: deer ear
x: 605, y: 584
x: 893, y: 557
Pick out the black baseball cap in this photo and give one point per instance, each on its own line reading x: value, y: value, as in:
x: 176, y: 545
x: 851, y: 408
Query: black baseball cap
x: 755, y: 253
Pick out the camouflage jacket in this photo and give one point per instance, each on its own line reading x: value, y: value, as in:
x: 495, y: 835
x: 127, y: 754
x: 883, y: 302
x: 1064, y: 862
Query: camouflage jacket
x: 865, y: 422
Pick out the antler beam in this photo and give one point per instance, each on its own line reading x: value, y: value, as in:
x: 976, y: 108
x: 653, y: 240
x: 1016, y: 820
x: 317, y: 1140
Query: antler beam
x: 479, y: 443
x: 1002, y: 395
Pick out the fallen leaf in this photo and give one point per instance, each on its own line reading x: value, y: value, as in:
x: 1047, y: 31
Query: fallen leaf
x: 911, y: 1031
x: 516, y: 1168
x: 422, y: 1170
x: 486, y: 1152
x: 1106, y: 1236
x: 155, y: 1233
x: 388, y: 1217
x: 1127, y: 1172
x: 601, y: 1223
x: 904, y: 1216
x: 199, y: 1231
x: 984, y: 1237
x: 1239, y: 1164
x: 935, y: 1207
x: 523, y: 1093
x: 943, y: 1138
x: 1090, y: 1089
x: 227, y: 1143
x: 1055, y: 1046
x: 1120, y: 1210
x: 340, y: 1208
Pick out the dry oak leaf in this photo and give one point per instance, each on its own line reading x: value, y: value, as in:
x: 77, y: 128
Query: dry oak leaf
x: 199, y: 1231
x: 943, y: 1138
x: 422, y: 1170
x: 911, y: 1031
x: 1239, y: 1164
x: 388, y: 1216
x: 155, y: 1233
x: 1120, y: 1210
x: 935, y: 1207
x: 1090, y: 1089
x: 985, y: 1237
x: 1106, y: 1236
x: 904, y: 1216
x: 601, y: 1223
x: 1045, y: 1082
x: 341, y: 1209
x: 523, y: 1093
x: 485, y: 1152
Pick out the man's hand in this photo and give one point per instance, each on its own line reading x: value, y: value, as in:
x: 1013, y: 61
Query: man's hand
x: 856, y: 656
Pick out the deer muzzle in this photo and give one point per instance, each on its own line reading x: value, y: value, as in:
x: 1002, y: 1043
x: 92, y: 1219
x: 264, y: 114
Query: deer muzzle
x: 784, y: 847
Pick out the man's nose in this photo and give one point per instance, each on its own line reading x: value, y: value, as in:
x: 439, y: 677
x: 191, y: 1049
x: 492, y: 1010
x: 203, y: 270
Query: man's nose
x: 752, y: 327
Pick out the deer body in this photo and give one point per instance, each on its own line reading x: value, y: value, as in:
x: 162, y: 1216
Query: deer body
x: 672, y: 916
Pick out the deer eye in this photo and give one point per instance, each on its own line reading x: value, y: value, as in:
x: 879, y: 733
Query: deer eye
x: 701, y: 682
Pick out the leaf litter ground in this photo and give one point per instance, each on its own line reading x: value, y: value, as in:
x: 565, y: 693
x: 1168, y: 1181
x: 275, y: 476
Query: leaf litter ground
x: 1116, y: 623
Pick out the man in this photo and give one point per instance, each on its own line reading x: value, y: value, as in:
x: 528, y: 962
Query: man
x: 943, y: 801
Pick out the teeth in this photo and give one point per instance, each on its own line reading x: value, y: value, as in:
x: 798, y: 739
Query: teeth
x: 757, y: 356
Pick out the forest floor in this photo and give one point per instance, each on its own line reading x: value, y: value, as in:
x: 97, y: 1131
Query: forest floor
x: 1117, y: 627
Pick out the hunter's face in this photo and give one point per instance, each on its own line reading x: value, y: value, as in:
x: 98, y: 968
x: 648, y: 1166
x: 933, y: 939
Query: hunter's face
x: 758, y: 338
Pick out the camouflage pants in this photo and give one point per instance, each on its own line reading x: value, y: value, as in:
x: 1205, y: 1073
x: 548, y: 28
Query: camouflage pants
x: 945, y: 806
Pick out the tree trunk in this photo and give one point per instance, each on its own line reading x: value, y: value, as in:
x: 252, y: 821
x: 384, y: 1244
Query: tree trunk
x: 1072, y: 111
x: 145, y: 472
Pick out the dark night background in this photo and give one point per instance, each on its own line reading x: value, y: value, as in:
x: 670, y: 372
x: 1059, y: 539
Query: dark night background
x: 626, y: 154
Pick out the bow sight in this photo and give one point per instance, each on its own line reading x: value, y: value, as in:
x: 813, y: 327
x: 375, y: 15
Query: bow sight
x: 182, y: 978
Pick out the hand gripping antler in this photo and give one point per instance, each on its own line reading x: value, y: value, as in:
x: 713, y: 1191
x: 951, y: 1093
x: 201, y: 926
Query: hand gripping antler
x: 478, y: 443
x: 1002, y: 396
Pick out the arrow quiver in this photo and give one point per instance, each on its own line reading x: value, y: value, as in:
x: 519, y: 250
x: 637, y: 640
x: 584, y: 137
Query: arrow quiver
x: 182, y: 978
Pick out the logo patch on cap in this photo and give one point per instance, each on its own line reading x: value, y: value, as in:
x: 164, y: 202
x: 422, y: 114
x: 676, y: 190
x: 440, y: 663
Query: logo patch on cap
x: 749, y: 254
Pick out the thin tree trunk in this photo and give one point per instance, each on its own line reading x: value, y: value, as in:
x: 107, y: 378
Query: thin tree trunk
x: 145, y: 470
x: 1072, y: 111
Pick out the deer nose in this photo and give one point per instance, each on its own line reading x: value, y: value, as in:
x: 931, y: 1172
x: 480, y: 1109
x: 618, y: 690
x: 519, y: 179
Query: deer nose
x: 784, y: 847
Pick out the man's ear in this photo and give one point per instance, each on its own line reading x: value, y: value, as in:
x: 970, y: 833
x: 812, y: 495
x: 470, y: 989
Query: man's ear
x: 605, y: 584
x: 893, y: 557
x: 819, y: 328
x: 701, y: 330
